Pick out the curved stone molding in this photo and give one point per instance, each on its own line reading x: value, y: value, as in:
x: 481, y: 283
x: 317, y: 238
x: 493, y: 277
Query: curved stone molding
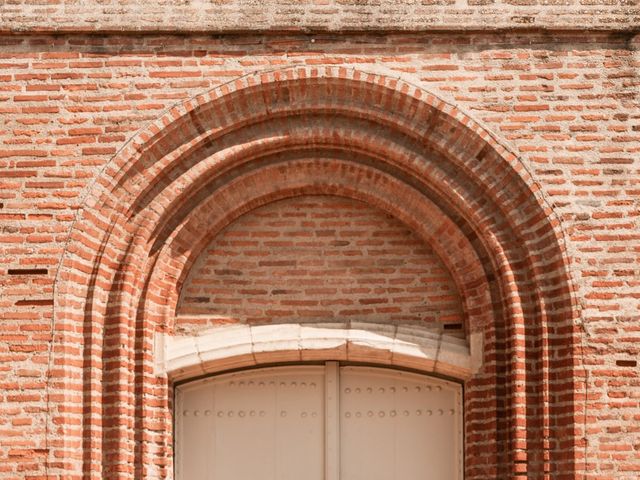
x: 240, y: 346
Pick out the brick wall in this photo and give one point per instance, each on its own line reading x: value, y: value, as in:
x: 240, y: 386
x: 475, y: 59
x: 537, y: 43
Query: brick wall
x: 567, y: 103
x: 318, y: 259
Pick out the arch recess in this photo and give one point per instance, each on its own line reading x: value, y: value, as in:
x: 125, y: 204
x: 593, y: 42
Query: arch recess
x: 300, y: 131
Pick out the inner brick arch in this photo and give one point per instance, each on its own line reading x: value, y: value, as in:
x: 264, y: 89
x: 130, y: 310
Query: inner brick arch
x: 134, y: 242
x: 321, y: 176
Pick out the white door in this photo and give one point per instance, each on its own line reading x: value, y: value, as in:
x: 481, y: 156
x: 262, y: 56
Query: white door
x: 319, y: 423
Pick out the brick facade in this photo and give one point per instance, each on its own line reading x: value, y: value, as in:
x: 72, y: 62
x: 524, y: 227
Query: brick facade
x: 512, y: 157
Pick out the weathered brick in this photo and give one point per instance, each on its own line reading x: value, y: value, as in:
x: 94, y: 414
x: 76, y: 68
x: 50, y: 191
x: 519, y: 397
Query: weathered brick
x: 565, y: 103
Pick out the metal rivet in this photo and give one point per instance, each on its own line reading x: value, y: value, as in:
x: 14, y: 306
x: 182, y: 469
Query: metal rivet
x: 406, y: 413
x: 347, y: 414
x: 303, y: 414
x: 381, y: 414
x: 312, y: 385
x: 392, y: 389
x: 438, y: 389
x: 429, y: 412
x: 230, y: 413
x: 283, y: 413
x: 252, y: 413
x: 250, y: 383
x: 370, y: 413
x: 207, y: 413
x: 393, y: 413
x: 220, y: 413
x: 418, y: 389
x: 241, y: 384
x: 452, y: 411
x: 440, y: 412
x: 347, y: 390
x: 232, y: 384
x: 369, y: 390
x: 283, y: 384
x: 241, y: 413
x: 381, y: 390
x: 358, y: 414
x: 405, y: 389
x: 428, y: 389
x: 418, y: 412
x: 357, y: 390
x: 196, y: 413
x: 261, y: 384
x: 314, y: 414
x: 262, y: 413
x: 303, y: 385
x: 294, y: 384
x: 186, y: 413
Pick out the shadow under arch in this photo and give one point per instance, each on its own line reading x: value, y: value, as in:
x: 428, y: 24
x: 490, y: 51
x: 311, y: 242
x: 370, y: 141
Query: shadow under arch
x: 114, y: 286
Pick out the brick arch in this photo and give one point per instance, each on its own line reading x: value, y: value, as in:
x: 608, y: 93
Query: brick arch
x: 320, y: 175
x: 126, y: 256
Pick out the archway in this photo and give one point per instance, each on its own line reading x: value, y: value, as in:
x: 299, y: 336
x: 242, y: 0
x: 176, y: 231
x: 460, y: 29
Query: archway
x: 319, y: 131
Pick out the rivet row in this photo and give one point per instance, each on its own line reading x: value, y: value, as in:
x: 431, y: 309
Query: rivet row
x: 395, y: 413
x: 405, y: 389
x: 222, y: 413
x: 241, y: 413
x: 272, y: 383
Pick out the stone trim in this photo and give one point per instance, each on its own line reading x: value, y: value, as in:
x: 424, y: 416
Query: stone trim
x: 234, y: 16
x: 240, y: 346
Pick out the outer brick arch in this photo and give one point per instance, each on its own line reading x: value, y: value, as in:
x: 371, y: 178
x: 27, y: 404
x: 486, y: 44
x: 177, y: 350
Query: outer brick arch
x: 114, y: 277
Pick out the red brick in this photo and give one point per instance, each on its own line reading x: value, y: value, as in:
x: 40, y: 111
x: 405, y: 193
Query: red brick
x: 578, y: 149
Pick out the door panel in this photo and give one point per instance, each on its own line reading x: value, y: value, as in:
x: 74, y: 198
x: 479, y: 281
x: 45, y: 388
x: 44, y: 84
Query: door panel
x: 266, y: 424
x: 397, y: 425
x: 269, y: 424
